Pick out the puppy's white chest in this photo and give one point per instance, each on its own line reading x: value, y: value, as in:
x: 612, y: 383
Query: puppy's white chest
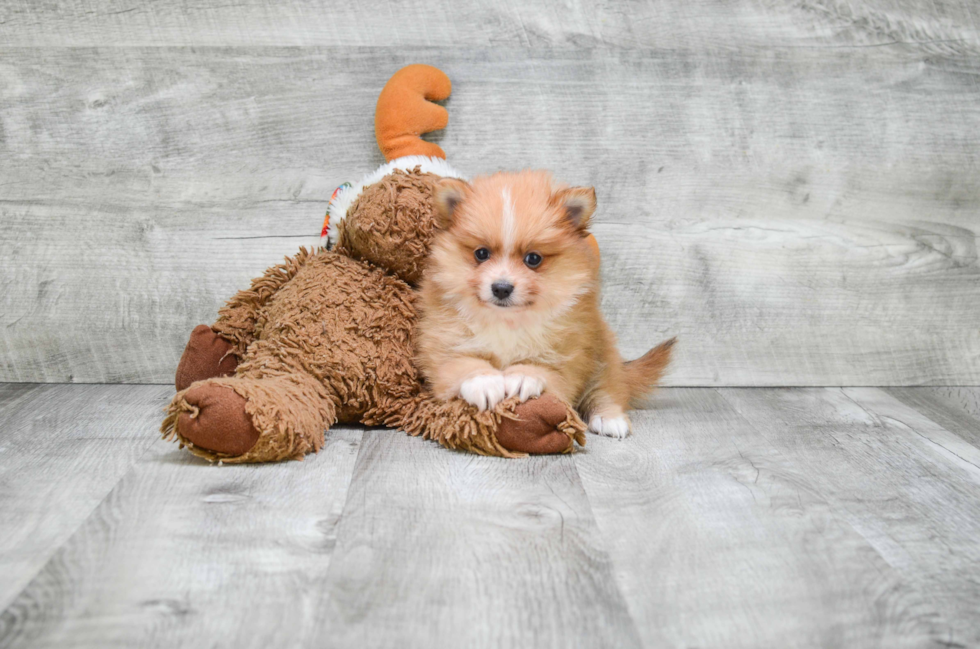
x: 511, y: 345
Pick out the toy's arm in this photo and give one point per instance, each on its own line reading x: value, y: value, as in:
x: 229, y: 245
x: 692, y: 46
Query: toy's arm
x: 512, y: 429
x: 236, y: 320
x: 405, y: 111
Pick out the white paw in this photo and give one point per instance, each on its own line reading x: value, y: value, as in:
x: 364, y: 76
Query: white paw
x: 523, y: 386
x: 484, y: 391
x: 617, y: 427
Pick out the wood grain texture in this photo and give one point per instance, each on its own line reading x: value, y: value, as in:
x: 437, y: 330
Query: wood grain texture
x: 62, y: 449
x: 185, y: 554
x: 721, y: 538
x: 941, y: 25
x: 441, y: 549
x: 732, y: 517
x: 796, y: 215
x: 904, y: 483
x: 964, y: 398
x: 955, y: 409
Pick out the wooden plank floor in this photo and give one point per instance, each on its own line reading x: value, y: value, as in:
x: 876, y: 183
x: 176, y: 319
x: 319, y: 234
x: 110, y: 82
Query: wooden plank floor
x: 733, y: 517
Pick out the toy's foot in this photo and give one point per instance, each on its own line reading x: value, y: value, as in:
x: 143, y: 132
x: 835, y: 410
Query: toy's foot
x: 240, y: 419
x: 206, y: 356
x: 536, y: 429
x: 219, y: 422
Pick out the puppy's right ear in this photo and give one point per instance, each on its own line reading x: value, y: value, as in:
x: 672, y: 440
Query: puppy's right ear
x: 579, y: 205
x: 449, y: 193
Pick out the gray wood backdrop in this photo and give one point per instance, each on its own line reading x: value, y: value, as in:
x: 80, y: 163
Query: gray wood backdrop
x: 792, y: 188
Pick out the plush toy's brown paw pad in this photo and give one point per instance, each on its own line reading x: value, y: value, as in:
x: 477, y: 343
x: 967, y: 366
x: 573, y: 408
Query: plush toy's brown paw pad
x: 206, y: 356
x: 217, y: 420
x: 536, y: 428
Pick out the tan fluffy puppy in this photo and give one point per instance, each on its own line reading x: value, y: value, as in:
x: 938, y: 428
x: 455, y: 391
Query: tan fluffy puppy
x: 510, y: 302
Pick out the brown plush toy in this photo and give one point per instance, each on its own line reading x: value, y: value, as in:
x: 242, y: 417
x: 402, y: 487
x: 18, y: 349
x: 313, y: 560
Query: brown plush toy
x: 328, y: 336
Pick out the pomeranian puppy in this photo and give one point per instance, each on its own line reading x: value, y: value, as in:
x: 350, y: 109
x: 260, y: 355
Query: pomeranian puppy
x: 510, y: 302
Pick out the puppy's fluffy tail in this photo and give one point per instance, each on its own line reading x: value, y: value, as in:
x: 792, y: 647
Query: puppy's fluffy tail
x: 643, y: 374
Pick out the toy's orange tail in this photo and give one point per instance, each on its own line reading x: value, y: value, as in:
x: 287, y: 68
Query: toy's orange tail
x: 405, y: 111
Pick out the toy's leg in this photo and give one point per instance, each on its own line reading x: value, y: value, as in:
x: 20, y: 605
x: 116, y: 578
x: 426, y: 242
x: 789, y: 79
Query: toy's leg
x: 216, y: 350
x: 244, y: 419
x: 538, y: 426
x: 206, y: 356
x: 237, y: 320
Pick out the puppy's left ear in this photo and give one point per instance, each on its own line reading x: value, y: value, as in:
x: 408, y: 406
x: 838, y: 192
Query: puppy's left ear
x: 579, y: 205
x: 449, y: 193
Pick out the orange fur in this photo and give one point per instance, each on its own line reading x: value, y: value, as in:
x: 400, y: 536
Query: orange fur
x: 646, y: 371
x: 551, y: 329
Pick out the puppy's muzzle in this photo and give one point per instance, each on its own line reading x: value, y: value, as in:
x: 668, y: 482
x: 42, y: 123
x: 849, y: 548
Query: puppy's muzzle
x: 501, y: 289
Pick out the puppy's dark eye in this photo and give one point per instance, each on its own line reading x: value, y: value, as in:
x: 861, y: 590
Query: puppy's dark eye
x: 482, y: 254
x: 532, y: 260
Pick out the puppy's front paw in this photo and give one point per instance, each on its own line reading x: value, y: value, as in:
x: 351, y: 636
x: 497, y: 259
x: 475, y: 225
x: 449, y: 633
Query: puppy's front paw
x: 484, y: 391
x: 616, y: 427
x: 523, y: 386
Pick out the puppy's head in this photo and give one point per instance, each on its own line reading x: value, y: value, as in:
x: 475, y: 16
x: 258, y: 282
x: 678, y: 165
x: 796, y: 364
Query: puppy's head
x: 512, y: 243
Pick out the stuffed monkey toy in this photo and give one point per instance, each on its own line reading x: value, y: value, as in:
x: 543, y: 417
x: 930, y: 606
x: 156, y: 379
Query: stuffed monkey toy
x: 328, y: 336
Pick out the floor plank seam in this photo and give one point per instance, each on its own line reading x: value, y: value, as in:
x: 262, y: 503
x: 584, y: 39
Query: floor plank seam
x: 82, y: 523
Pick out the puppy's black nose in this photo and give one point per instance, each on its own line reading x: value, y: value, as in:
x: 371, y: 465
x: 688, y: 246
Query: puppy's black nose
x: 501, y: 290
